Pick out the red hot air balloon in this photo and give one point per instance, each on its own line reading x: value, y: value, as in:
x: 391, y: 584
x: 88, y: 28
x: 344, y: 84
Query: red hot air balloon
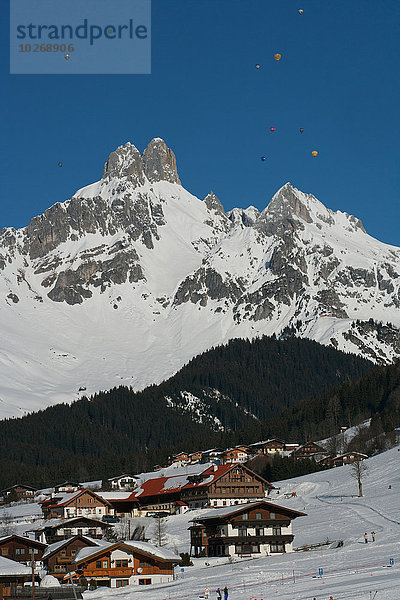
x: 272, y: 129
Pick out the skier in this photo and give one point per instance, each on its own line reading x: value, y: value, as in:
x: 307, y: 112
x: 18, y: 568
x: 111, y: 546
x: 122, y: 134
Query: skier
x: 225, y: 593
x: 373, y: 535
x: 219, y: 595
x: 366, y: 537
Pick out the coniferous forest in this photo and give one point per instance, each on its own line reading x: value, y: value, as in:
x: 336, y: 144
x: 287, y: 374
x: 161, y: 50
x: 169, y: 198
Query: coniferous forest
x: 245, y: 391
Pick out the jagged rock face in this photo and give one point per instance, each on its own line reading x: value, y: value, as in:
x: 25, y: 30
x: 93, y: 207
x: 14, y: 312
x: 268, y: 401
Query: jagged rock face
x: 159, y: 163
x: 149, y: 275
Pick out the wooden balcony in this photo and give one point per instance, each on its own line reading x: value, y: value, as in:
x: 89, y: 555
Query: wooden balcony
x: 112, y: 572
x: 250, y: 539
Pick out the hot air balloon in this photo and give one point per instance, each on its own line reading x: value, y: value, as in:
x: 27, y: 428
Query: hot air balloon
x: 301, y: 129
x: 263, y: 158
x: 314, y: 153
x: 277, y: 56
x: 258, y: 66
x: 272, y: 129
x: 67, y: 56
x: 301, y: 11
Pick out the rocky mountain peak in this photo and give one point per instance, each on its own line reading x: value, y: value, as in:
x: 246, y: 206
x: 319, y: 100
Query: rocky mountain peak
x: 157, y: 163
x: 288, y: 203
x: 213, y: 203
x: 125, y: 161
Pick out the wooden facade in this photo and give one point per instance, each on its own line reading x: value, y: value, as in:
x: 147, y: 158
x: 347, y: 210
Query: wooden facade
x: 21, y: 549
x: 58, y: 558
x: 225, y: 485
x: 121, y: 564
x: 63, y: 529
x: 253, y: 529
x: 67, y: 505
x: 309, y: 450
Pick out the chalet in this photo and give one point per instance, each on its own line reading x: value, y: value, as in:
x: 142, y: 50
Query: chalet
x: 55, y: 530
x: 309, y: 450
x: 18, y: 492
x: 213, y: 455
x: 126, y: 563
x: 273, y: 446
x: 21, y: 549
x: 234, y: 455
x: 348, y: 458
x: 182, y: 457
x: 12, y: 575
x: 159, y: 494
x: 248, y: 530
x: 195, y: 457
x: 123, y: 482
x: 224, y: 485
x: 71, y: 504
x: 58, y: 557
x: 123, y: 504
x: 67, y: 486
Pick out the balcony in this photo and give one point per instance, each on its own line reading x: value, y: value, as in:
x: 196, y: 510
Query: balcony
x: 111, y: 572
x: 250, y: 539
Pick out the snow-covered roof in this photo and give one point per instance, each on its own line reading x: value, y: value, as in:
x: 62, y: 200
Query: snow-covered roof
x: 115, y: 495
x: 11, y: 567
x: 90, y: 550
x: 228, y: 510
x: 155, y: 551
x: 57, y: 545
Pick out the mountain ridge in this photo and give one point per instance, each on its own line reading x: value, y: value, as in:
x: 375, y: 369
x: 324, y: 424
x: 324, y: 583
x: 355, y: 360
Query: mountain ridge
x: 133, y: 276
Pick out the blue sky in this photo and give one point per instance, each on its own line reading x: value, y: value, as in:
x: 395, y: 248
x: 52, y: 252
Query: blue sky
x: 338, y: 78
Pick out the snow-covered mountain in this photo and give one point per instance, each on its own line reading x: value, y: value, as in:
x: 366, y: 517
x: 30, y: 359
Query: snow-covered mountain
x: 133, y: 276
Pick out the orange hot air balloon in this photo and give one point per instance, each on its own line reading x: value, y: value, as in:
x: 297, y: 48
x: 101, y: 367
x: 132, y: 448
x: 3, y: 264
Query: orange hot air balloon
x: 277, y: 56
x: 314, y: 153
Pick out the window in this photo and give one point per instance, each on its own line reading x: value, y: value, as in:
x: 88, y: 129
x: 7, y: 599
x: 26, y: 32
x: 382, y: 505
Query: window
x: 259, y: 530
x: 277, y: 547
x: 122, y: 583
x: 19, y: 550
x: 63, y: 553
x: 73, y: 552
x: 272, y: 515
x: 105, y: 564
x: 98, y: 564
x: 144, y: 581
x: 245, y: 516
x: 67, y: 533
x: 276, y: 530
x: 92, y: 532
x: 4, y: 551
x: 80, y: 531
x: 144, y: 563
x: 121, y: 563
x: 258, y: 516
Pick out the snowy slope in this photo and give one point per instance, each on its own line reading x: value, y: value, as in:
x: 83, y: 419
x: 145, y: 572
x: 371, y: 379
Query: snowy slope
x: 133, y: 276
x: 333, y: 511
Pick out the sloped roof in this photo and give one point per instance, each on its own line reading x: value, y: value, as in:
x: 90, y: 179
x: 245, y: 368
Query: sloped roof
x: 11, y: 567
x: 57, y: 545
x: 59, y: 522
x: 216, y: 513
x: 23, y: 539
x: 65, y: 498
x: 141, y: 547
x: 176, y: 483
